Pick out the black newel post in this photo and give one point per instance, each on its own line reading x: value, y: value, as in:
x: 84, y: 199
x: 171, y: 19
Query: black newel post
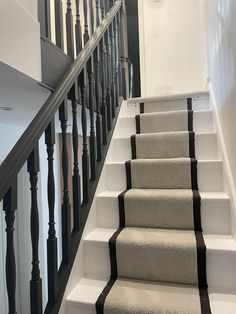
x: 9, y: 207
x: 66, y: 207
x: 52, y: 239
x: 36, y: 281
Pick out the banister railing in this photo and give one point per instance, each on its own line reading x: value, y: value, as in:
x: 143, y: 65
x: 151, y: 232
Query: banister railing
x: 96, y: 80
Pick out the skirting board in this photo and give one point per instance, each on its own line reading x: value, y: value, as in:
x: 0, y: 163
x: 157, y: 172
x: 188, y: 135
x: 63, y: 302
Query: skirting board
x: 228, y: 178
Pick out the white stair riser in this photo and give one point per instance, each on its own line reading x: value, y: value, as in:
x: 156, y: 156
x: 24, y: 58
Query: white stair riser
x: 199, y: 103
x: 202, y: 122
x: 210, y: 176
x: 205, y: 148
x: 215, y: 214
x: 221, y: 270
x: 79, y: 309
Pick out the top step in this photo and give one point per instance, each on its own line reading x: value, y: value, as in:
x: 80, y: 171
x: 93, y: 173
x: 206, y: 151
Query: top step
x: 174, y: 102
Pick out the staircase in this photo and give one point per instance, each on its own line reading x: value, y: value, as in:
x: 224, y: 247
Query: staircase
x: 169, y: 283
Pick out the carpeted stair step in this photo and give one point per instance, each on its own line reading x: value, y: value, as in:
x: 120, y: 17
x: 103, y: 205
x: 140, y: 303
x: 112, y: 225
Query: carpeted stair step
x: 148, y: 254
x: 163, y: 145
x: 173, y: 173
x: 168, y: 121
x: 179, y: 104
x: 160, y: 208
x: 143, y: 297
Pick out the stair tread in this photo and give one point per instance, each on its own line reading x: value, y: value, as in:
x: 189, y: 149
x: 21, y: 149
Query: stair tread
x: 207, y: 161
x: 87, y: 291
x: 212, y: 133
x: 180, y: 96
x: 204, y: 195
x: 225, y: 243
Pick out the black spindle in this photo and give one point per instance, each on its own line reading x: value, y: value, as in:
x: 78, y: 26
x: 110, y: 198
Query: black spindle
x: 108, y: 73
x: 69, y: 30
x: 116, y: 77
x: 66, y: 208
x: 85, y: 156
x: 113, y: 88
x: 124, y: 52
x: 78, y: 29
x: 52, y: 239
x: 48, y: 19
x: 76, y: 175
x: 98, y: 94
x: 9, y: 207
x: 86, y: 30
x: 90, y: 67
x: 103, y: 71
x: 59, y: 24
x: 36, y: 281
x: 119, y: 52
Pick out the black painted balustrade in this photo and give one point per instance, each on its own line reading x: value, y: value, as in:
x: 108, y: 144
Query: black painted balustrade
x: 81, y: 112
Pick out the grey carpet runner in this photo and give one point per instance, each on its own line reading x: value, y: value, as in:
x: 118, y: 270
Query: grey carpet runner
x: 158, y: 255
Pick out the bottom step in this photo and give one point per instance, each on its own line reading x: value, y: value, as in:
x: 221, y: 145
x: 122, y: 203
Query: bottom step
x: 83, y: 297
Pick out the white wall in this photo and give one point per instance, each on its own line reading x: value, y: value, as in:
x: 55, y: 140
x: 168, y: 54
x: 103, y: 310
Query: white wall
x: 221, y: 24
x: 31, y: 7
x: 20, y: 36
x: 171, y: 46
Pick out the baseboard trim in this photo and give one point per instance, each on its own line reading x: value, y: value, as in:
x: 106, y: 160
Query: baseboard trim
x: 228, y: 178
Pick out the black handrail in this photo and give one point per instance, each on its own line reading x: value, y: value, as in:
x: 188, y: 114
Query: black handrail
x: 100, y: 74
x: 11, y: 166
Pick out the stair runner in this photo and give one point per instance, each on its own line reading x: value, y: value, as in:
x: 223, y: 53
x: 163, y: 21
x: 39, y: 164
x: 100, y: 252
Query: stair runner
x: 158, y: 255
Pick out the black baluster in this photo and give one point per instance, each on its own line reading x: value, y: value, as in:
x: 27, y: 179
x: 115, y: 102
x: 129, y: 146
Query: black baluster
x: 48, y: 19
x: 86, y: 31
x: 98, y: 94
x: 108, y: 74
x: 113, y: 90
x: 9, y: 207
x: 52, y: 239
x: 85, y: 156
x: 91, y: 10
x: 73, y: 95
x: 116, y: 75
x: 66, y: 207
x: 59, y: 24
x: 36, y: 281
x: 92, y: 141
x: 124, y: 51
x: 78, y: 29
x: 103, y: 70
x: 119, y: 52
x: 69, y: 30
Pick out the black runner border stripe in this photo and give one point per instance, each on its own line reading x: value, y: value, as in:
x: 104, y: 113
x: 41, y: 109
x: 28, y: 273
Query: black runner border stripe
x: 133, y: 146
x: 137, y: 121
x: 191, y: 144
x: 141, y: 107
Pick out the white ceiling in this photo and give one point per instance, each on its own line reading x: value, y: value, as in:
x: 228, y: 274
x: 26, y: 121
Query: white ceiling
x: 22, y: 93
